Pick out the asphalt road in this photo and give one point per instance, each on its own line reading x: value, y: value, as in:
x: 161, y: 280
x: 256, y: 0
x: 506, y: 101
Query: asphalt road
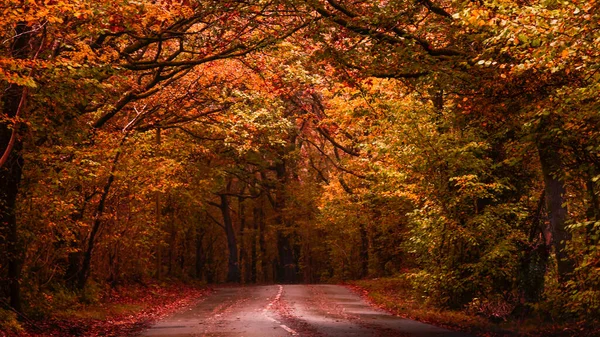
x: 289, y: 310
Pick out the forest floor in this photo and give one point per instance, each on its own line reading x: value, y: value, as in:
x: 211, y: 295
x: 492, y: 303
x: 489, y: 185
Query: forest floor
x: 395, y: 296
x: 128, y: 310
x: 118, y: 312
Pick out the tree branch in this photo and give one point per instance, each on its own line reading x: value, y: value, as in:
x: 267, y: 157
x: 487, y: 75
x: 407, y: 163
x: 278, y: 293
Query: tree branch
x: 382, y: 36
x: 336, y: 144
x: 213, y: 219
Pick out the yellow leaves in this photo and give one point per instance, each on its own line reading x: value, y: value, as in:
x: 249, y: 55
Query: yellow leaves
x: 13, y: 71
x: 478, y: 17
x: 17, y: 79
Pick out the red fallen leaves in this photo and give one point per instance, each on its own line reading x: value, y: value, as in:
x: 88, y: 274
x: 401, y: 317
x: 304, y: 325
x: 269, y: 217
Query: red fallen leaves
x: 146, y: 305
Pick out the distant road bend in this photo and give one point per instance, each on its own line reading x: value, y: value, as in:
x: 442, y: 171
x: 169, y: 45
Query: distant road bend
x: 289, y: 310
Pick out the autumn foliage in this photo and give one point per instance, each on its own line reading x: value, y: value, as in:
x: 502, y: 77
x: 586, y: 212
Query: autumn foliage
x: 454, y: 144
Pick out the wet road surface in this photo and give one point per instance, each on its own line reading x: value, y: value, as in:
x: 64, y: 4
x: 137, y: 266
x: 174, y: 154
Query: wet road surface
x: 289, y: 310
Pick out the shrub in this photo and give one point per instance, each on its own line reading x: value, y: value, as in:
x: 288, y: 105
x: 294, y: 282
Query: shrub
x: 9, y: 322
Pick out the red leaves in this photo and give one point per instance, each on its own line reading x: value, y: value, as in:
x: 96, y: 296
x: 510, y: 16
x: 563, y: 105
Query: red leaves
x: 124, y: 312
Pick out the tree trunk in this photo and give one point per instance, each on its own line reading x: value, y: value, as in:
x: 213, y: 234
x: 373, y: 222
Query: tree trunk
x: 286, y: 270
x: 233, y: 267
x: 200, y: 256
x: 209, y: 265
x: 286, y: 265
x: 264, y: 265
x: 534, y: 258
x: 557, y: 235
x: 10, y: 178
x: 364, y: 251
x: 74, y: 256
x: 253, y: 251
x: 157, y: 215
x: 244, y: 263
x: 84, y: 271
x: 172, y: 246
x: 13, y: 101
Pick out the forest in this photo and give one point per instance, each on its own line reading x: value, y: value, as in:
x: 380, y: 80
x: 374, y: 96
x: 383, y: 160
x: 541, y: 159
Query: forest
x: 452, y: 144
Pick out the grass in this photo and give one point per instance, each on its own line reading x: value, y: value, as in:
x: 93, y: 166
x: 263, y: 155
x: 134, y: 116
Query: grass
x: 101, y: 312
x: 397, y: 296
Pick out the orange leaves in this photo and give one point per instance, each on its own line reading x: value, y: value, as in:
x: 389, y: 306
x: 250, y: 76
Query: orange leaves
x: 9, y: 74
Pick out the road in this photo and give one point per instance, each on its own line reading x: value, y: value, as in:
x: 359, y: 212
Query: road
x: 289, y: 310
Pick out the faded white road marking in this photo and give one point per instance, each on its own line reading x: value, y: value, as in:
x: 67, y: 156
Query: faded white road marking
x: 292, y: 331
x: 266, y: 309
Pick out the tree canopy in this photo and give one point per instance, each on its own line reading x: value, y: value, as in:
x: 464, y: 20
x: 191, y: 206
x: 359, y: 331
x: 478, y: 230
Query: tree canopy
x: 454, y: 142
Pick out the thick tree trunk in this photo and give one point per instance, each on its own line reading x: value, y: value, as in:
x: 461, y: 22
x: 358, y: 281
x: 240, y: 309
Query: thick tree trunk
x: 286, y: 268
x: 157, y: 215
x: 233, y: 267
x: 557, y: 235
x: 13, y: 101
x: 10, y: 178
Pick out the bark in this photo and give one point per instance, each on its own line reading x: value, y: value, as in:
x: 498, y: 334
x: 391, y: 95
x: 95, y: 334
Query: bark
x: 244, y: 263
x: 74, y: 263
x: 74, y: 256
x: 233, y: 267
x: 13, y: 100
x: 200, y: 255
x: 286, y: 268
x: 10, y: 178
x: 209, y: 265
x: 557, y: 235
x: 157, y: 215
x: 253, y: 249
x: 286, y: 264
x: 264, y: 265
x: 114, y: 271
x: 534, y: 258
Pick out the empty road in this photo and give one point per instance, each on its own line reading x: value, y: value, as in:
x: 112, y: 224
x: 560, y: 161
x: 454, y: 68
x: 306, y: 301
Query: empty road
x: 289, y: 310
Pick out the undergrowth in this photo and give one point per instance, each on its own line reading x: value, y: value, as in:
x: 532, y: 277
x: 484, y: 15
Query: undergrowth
x: 98, y: 311
x: 399, y: 296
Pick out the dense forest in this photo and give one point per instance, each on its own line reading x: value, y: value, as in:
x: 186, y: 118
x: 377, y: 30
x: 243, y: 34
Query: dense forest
x: 453, y: 143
